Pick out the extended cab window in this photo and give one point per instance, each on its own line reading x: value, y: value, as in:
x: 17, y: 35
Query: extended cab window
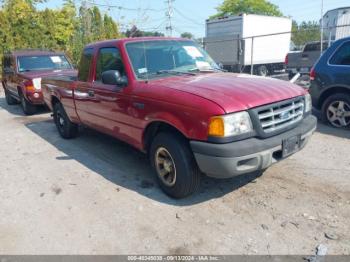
x: 109, y: 58
x: 85, y: 63
x: 342, y: 56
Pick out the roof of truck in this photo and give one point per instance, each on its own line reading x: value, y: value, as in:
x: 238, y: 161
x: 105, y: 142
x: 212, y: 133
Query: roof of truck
x: 134, y: 39
x: 33, y: 52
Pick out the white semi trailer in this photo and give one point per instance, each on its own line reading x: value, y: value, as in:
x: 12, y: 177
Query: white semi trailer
x: 237, y: 42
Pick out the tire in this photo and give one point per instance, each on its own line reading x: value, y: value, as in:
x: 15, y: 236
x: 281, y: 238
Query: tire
x: 336, y: 110
x: 10, y: 100
x: 180, y: 161
x: 65, y: 127
x: 27, y: 107
x: 262, y: 70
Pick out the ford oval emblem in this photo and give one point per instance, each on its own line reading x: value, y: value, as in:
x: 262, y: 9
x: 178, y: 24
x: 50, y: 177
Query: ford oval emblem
x: 284, y: 115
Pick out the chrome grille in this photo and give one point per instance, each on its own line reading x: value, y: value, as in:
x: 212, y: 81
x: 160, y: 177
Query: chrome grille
x: 281, y: 115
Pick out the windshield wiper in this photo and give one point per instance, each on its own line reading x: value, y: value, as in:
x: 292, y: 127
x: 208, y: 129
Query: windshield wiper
x: 207, y: 70
x: 174, y: 72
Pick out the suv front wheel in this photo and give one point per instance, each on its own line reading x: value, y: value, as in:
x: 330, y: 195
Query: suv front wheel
x: 27, y: 107
x: 174, y: 164
x: 10, y: 100
x: 336, y: 110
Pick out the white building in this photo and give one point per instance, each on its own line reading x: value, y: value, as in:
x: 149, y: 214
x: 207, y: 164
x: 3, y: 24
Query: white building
x: 337, y: 23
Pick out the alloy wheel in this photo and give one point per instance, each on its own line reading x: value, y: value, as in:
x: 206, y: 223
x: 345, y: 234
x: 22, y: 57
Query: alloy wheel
x: 165, y: 166
x: 338, y: 114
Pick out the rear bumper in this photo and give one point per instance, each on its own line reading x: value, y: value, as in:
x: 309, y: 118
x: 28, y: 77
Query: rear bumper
x: 246, y: 156
x: 294, y: 71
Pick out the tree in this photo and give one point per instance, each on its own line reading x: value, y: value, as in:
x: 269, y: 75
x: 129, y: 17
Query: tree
x: 236, y: 7
x: 305, y: 32
x: 187, y: 35
x: 23, y: 26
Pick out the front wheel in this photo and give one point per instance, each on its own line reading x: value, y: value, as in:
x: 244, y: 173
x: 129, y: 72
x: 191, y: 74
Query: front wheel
x: 336, y: 110
x: 27, y: 107
x: 65, y: 127
x: 10, y: 100
x: 174, y: 164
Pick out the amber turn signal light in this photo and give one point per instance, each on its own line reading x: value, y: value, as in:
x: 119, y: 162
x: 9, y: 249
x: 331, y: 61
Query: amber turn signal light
x: 216, y: 127
x: 30, y: 88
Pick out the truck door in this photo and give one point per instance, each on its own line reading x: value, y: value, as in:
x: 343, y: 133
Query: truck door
x: 83, y: 97
x: 108, y: 105
x: 112, y: 102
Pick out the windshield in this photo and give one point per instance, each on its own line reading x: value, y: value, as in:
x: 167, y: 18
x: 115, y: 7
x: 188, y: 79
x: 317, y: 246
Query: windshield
x: 47, y: 62
x: 151, y: 59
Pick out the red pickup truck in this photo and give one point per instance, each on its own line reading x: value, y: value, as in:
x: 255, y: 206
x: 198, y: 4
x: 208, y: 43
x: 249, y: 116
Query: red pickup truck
x: 22, y: 72
x: 169, y: 99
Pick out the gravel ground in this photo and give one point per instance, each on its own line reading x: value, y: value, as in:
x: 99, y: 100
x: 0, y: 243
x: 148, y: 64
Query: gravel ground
x: 96, y: 195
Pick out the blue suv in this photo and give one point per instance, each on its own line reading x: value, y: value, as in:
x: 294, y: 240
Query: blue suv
x: 330, y: 84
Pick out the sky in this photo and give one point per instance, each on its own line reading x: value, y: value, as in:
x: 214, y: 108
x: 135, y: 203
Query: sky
x: 190, y: 15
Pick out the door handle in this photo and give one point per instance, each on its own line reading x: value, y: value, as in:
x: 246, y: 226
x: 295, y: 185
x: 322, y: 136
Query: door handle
x: 91, y: 93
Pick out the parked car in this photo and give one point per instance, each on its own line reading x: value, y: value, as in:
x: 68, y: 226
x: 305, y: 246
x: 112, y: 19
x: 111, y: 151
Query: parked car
x: 22, y: 72
x: 169, y: 99
x: 330, y: 84
x: 302, y: 61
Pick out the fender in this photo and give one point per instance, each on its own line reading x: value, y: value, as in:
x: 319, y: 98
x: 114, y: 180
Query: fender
x: 170, y: 119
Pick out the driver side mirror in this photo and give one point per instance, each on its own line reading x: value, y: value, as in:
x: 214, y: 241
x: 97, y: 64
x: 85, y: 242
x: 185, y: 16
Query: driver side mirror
x: 113, y: 77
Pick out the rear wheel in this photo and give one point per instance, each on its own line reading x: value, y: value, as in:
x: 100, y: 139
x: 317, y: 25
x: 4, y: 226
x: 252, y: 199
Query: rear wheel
x: 65, y: 127
x: 262, y: 70
x: 176, y: 169
x: 27, y: 107
x: 10, y: 100
x: 336, y: 110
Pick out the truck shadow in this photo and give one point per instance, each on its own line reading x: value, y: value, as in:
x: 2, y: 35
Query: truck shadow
x: 17, y: 110
x: 125, y: 166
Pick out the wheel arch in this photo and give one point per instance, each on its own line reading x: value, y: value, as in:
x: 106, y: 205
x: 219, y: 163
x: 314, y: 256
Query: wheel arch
x: 54, y: 100
x: 155, y: 127
x: 331, y: 91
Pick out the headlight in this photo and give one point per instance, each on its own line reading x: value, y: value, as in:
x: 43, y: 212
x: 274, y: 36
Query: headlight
x: 230, y: 125
x: 308, y: 103
x: 37, y: 83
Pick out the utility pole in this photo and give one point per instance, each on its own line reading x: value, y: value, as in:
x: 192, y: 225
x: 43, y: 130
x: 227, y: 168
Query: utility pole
x: 321, y: 27
x: 169, y: 15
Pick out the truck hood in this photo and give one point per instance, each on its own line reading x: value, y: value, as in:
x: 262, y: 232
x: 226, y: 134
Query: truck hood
x: 47, y: 73
x: 234, y: 92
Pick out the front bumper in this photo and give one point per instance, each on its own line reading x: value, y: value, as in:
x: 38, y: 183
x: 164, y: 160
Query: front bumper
x: 35, y: 98
x: 246, y: 156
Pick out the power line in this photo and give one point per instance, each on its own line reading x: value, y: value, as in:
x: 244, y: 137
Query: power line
x: 187, y: 18
x: 154, y: 28
x: 125, y: 8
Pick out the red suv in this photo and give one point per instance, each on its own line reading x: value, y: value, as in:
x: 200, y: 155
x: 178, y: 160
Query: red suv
x: 22, y: 73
